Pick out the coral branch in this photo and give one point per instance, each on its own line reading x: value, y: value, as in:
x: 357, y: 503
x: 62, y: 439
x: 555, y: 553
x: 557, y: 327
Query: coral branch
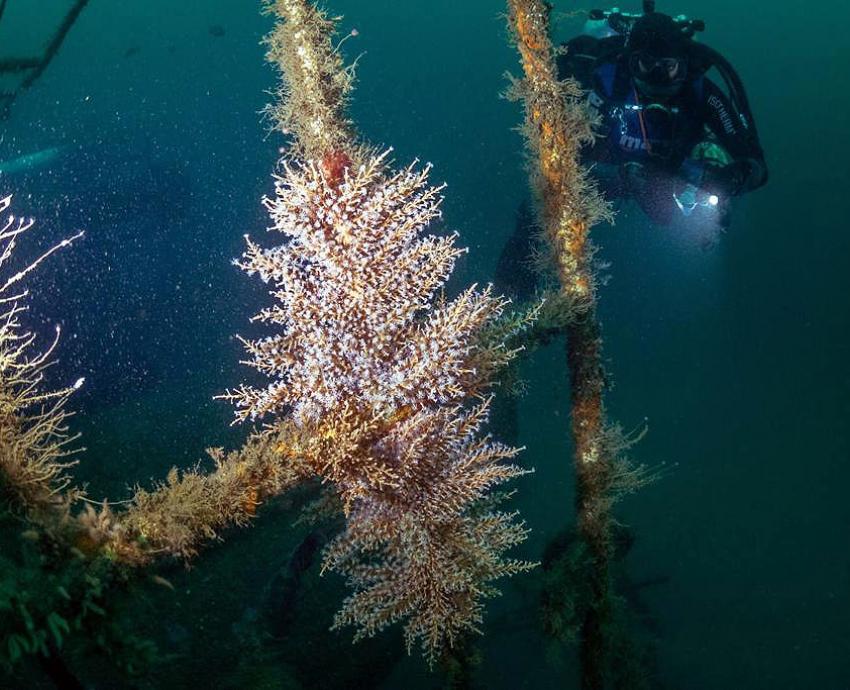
x: 373, y: 365
x: 35, y: 446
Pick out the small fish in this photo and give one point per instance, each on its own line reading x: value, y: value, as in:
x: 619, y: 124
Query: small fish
x: 158, y: 579
x: 217, y: 30
x: 30, y: 161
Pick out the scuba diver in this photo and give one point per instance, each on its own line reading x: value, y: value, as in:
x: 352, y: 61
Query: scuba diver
x: 669, y: 137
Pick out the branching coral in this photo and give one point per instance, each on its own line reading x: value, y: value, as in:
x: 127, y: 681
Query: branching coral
x: 426, y: 549
x: 352, y: 281
x: 380, y: 384
x: 376, y: 365
x: 35, y: 446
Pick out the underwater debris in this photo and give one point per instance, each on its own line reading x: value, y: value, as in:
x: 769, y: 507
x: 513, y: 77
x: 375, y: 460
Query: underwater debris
x: 32, y: 68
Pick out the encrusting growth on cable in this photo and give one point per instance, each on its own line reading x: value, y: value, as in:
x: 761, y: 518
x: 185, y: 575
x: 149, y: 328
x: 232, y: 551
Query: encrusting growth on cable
x: 191, y: 506
x: 557, y: 125
x: 315, y: 83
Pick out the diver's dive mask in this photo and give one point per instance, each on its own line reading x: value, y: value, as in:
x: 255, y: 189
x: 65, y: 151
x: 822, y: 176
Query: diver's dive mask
x: 644, y: 65
x: 658, y: 76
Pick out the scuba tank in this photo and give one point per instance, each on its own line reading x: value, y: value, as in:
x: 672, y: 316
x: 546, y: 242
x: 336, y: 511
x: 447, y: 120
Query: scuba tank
x: 611, y: 29
x: 620, y: 23
x: 598, y: 26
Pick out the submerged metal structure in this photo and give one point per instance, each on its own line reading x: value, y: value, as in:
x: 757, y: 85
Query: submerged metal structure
x: 29, y: 68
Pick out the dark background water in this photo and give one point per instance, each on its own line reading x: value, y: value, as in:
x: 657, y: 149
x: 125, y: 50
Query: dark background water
x: 737, y: 356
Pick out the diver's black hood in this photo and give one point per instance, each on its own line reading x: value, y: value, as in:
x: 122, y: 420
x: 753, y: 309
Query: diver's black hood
x: 659, y: 35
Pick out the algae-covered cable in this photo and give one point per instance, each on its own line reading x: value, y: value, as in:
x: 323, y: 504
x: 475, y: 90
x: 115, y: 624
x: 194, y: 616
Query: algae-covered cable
x: 556, y: 127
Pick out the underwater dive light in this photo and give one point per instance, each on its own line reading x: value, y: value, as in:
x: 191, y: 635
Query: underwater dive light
x: 691, y: 197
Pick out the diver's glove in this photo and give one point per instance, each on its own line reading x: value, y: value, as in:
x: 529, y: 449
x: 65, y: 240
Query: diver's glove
x: 723, y: 181
x: 652, y: 188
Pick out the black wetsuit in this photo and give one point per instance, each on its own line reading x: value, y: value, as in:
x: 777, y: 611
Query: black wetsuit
x: 659, y: 138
